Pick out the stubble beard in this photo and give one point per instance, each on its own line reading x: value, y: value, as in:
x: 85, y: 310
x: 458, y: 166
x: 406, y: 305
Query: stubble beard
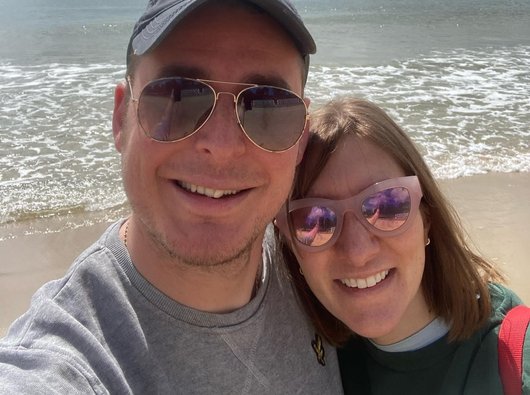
x: 209, y: 260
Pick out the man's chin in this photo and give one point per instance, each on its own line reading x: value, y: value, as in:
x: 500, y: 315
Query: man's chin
x: 211, y: 254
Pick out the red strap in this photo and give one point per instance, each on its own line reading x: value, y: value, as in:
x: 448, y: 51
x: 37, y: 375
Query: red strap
x: 510, y: 349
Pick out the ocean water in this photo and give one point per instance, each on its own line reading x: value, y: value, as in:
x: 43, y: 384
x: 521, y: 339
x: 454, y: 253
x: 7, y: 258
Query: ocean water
x: 455, y: 74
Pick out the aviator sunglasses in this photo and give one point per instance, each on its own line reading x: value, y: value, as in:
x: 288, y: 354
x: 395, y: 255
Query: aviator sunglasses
x: 386, y: 208
x: 172, y: 109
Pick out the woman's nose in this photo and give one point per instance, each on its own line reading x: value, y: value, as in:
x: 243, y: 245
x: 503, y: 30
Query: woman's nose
x: 356, y: 242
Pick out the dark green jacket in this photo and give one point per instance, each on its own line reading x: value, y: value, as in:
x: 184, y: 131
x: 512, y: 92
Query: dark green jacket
x: 469, y: 367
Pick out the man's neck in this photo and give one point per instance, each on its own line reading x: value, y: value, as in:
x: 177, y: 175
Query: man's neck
x: 218, y: 289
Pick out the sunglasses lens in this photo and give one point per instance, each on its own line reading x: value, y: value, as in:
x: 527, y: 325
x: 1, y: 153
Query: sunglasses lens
x: 314, y: 226
x: 387, y: 210
x: 273, y: 118
x: 170, y: 109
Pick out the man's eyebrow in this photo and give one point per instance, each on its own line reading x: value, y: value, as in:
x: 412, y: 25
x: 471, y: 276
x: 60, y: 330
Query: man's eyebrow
x: 272, y: 80
x: 195, y: 72
x: 180, y: 71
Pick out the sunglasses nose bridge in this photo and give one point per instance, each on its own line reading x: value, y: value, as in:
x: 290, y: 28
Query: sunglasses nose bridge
x: 346, y: 213
x: 221, y: 122
x: 356, y: 243
x: 354, y: 225
x: 234, y: 102
x: 350, y: 219
x: 219, y: 93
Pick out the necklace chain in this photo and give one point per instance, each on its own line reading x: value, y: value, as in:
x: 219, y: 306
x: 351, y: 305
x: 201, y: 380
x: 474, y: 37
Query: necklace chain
x: 125, y: 233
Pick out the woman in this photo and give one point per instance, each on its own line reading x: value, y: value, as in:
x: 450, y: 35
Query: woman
x: 374, y: 249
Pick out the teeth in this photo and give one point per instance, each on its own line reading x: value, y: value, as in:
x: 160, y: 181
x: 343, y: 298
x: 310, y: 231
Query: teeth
x: 362, y: 283
x: 213, y: 193
x: 370, y: 281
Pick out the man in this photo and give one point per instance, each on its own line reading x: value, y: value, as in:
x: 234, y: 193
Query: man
x: 182, y: 297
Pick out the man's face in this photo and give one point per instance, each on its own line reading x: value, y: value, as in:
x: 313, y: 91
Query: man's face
x: 164, y: 181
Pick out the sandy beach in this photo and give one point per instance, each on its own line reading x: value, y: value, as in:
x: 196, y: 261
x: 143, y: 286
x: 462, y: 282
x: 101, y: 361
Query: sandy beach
x: 494, y: 209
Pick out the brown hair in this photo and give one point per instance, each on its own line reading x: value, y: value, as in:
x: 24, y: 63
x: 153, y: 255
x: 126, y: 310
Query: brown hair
x: 455, y: 279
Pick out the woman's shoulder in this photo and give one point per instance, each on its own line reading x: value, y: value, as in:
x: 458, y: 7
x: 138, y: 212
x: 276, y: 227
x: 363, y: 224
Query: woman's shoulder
x: 503, y: 299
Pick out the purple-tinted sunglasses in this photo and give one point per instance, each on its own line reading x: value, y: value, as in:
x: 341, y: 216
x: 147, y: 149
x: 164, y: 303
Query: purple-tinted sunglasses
x: 386, y: 209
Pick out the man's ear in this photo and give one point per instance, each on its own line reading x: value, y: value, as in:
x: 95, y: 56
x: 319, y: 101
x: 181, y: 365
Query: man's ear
x: 119, y: 113
x: 305, y: 136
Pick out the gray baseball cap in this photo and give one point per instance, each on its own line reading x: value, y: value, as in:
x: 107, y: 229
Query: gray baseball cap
x: 161, y: 16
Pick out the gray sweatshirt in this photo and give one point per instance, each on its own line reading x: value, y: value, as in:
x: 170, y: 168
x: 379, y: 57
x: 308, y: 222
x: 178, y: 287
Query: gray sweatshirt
x: 105, y: 329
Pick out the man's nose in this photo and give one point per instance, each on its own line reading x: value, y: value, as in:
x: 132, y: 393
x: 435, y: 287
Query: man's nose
x: 222, y: 135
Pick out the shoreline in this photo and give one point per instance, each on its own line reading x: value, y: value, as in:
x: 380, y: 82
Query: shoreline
x: 493, y: 208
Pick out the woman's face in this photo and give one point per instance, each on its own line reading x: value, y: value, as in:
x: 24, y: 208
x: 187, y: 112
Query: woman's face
x: 370, y: 283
